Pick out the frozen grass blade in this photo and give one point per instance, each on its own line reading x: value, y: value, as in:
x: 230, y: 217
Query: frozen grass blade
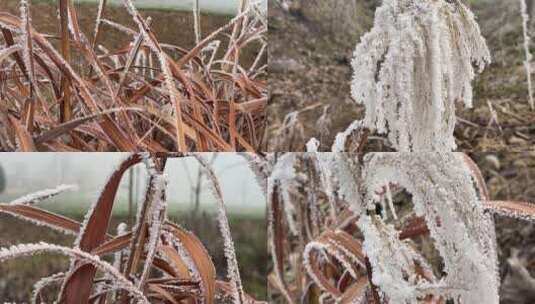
x: 527, y: 40
x: 31, y: 249
x: 77, y: 286
x: 66, y: 106
x: 43, y: 195
x: 230, y: 252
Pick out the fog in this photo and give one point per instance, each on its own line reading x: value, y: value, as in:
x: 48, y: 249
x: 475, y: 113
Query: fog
x: 29, y: 172
x: 225, y: 7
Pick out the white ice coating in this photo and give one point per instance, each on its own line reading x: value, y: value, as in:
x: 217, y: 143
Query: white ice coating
x: 260, y: 167
x: 184, y: 255
x: 339, y: 144
x: 157, y: 211
x: 527, y: 40
x: 312, y: 145
x: 230, y: 252
x: 41, y: 195
x: 26, y: 38
x: 22, y: 250
x: 44, y: 282
x: 443, y: 193
x: 285, y: 176
x: 325, y: 163
x: 412, y: 67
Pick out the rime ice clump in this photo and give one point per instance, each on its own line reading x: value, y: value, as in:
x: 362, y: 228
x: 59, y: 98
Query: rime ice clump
x: 413, y: 66
x: 443, y: 193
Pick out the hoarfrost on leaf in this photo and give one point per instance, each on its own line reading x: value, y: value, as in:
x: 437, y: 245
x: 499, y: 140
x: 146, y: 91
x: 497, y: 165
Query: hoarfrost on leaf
x: 38, y: 196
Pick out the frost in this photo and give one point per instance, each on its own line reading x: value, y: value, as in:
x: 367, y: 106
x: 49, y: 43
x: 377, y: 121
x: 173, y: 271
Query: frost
x: 39, y: 196
x: 527, y: 40
x: 312, y: 145
x: 17, y: 251
x: 443, y: 193
x: 100, y: 11
x: 339, y: 144
x: 230, y: 252
x: 260, y: 167
x: 417, y: 61
x: 284, y: 176
x: 158, y: 208
x: 390, y: 202
x: 44, y: 282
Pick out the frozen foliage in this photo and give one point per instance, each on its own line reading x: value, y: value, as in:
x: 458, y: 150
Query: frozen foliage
x: 230, y: 253
x: 44, y: 282
x: 443, y: 193
x: 284, y: 176
x: 39, y: 196
x: 339, y: 144
x: 417, y: 61
x: 330, y: 214
x: 312, y: 145
x: 527, y: 40
x: 157, y: 212
x: 260, y: 168
x: 31, y: 249
x: 145, y: 256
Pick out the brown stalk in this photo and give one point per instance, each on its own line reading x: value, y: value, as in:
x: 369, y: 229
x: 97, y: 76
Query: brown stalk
x: 77, y: 287
x: 65, y: 105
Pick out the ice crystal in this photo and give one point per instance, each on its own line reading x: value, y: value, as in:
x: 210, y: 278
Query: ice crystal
x: 260, y: 167
x: 158, y: 208
x: 230, y: 252
x: 39, y: 196
x: 417, y: 61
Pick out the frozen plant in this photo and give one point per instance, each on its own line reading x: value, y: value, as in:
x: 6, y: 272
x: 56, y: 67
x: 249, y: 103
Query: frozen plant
x: 527, y: 40
x: 413, y: 66
x: 155, y: 260
x: 388, y: 228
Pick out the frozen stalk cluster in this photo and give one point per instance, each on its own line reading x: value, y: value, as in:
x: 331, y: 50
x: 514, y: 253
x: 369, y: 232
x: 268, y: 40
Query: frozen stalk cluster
x: 418, y: 60
x: 443, y: 193
x: 336, y: 209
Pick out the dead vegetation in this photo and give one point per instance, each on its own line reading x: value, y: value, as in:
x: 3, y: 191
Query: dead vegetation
x: 154, y: 261
x: 346, y: 229
x: 144, y: 96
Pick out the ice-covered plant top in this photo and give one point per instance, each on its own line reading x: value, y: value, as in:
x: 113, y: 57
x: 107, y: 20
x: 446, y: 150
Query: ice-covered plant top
x: 409, y: 70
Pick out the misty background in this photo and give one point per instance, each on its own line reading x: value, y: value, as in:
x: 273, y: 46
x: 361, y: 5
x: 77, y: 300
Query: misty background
x: 29, y: 172
x: 221, y: 7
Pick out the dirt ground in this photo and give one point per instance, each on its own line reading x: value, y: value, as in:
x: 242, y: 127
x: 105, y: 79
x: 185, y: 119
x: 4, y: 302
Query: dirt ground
x: 310, y: 74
